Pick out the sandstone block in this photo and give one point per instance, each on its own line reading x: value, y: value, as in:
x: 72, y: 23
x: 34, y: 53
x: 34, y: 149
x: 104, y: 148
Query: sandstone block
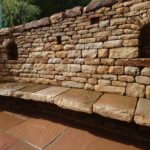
x: 110, y: 89
x: 78, y: 100
x: 116, y: 107
x: 143, y: 79
x: 76, y: 11
x: 72, y: 84
x: 142, y: 113
x: 140, y: 6
x: 135, y: 90
x: 89, y: 53
x: 113, y: 44
x: 146, y: 71
x: 93, y: 45
x: 129, y: 52
x: 102, y: 69
x: 148, y: 92
x: 57, y: 17
x: 126, y: 78
x: 73, y: 68
x: 88, y: 69
x: 132, y: 71
x: 103, y: 53
x: 118, y: 70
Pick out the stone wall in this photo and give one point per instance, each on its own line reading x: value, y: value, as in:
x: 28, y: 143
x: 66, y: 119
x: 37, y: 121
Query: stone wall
x: 93, y: 48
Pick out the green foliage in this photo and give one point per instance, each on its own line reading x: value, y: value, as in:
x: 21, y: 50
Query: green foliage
x: 19, y: 11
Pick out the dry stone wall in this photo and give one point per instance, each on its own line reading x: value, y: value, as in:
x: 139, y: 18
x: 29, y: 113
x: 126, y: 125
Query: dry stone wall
x: 94, y: 48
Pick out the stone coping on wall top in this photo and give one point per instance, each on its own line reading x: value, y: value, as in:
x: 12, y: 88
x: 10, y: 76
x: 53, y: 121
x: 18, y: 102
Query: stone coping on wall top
x: 118, y: 107
x: 58, y: 17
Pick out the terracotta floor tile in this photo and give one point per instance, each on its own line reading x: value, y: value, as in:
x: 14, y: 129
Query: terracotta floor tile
x: 6, y: 141
x: 38, y: 132
x: 8, y: 120
x: 22, y: 146
x: 75, y: 139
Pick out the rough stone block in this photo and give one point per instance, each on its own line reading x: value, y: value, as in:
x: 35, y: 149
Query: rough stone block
x: 110, y: 89
x: 135, y: 90
x: 72, y: 84
x: 142, y: 113
x: 116, y: 107
x: 118, y: 70
x: 57, y: 17
x: 48, y: 94
x: 132, y: 71
x: 78, y: 100
x: 113, y: 44
x: 146, y: 71
x: 129, y: 52
x: 76, y: 11
x: 143, y: 80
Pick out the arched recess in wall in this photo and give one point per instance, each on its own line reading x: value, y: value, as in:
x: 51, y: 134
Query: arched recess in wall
x: 145, y: 41
x: 12, y: 50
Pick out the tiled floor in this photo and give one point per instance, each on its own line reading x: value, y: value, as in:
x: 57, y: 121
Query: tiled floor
x: 37, y: 132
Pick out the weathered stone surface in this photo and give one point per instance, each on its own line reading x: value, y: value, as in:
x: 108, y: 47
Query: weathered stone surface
x: 76, y: 11
x: 113, y: 44
x: 89, y: 53
x: 110, y: 89
x: 148, y: 15
x: 148, y: 92
x: 48, y: 94
x: 88, y: 69
x: 72, y: 84
x: 37, y: 23
x: 7, y: 89
x: 146, y: 71
x: 116, y: 107
x: 103, y: 53
x: 98, y: 4
x: 142, y: 113
x: 57, y: 17
x: 132, y: 71
x: 102, y: 69
x: 140, y: 6
x: 129, y: 52
x: 28, y: 89
x: 133, y: 62
x: 135, y: 90
x: 143, y: 80
x: 78, y: 100
x: 118, y: 70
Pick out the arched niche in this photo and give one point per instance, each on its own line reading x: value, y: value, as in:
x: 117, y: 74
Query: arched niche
x: 145, y: 41
x: 12, y: 50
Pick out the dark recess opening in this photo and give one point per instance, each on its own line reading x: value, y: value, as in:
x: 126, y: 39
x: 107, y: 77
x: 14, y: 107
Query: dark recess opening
x: 95, y: 20
x: 12, y: 50
x: 145, y: 42
x: 58, y: 39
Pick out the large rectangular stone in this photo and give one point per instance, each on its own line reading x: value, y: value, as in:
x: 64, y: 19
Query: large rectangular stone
x: 78, y: 100
x: 116, y: 107
x: 48, y: 94
x: 7, y: 89
x: 142, y: 113
x: 28, y: 90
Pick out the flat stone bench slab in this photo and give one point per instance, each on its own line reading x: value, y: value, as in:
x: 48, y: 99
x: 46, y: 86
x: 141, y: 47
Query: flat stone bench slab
x: 116, y: 107
x: 28, y: 90
x: 7, y: 89
x: 77, y: 99
x: 48, y: 94
x: 142, y: 113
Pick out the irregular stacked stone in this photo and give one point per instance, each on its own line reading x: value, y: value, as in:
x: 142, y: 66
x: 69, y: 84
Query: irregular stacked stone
x: 102, y: 56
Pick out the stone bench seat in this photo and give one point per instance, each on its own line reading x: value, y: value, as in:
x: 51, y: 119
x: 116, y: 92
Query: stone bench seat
x: 123, y: 108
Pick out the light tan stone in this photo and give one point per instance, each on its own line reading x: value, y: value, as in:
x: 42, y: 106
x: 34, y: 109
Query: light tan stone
x: 88, y: 69
x: 103, y: 53
x: 78, y: 100
x: 110, y: 89
x: 102, y: 69
x: 126, y: 52
x: 132, y: 71
x: 143, y: 80
x: 146, y: 71
x: 48, y: 94
x: 113, y: 44
x: 142, y: 113
x: 116, y: 107
x: 135, y: 90
x: 72, y: 84
x: 118, y: 70
x: 148, y: 92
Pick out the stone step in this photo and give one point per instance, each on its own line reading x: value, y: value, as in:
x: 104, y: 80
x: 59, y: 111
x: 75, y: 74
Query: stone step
x: 117, y: 107
x: 142, y: 113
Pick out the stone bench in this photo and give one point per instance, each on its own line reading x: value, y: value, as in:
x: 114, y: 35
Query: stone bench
x: 122, y: 108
